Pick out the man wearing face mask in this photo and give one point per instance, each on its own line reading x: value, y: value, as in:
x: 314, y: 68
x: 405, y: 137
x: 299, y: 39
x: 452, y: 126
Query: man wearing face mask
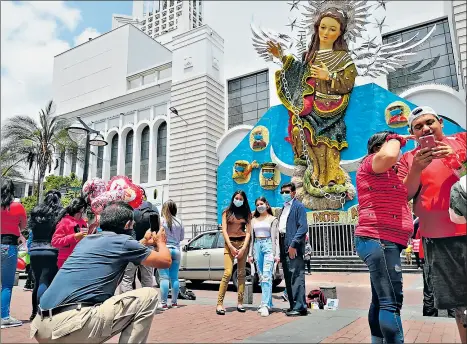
x: 429, y: 174
x: 292, y: 232
x: 80, y: 306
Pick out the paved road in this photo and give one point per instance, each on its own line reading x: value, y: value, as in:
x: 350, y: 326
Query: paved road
x: 196, y: 321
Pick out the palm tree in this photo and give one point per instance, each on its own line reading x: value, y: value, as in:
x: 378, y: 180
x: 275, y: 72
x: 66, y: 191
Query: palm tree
x: 38, y: 144
x: 9, y: 162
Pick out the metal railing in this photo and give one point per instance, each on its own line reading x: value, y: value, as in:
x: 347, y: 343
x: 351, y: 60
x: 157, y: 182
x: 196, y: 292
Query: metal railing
x: 332, y: 240
x: 201, y: 228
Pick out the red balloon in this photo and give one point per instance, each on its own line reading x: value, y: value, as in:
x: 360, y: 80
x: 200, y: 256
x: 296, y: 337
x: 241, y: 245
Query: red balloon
x: 133, y: 194
x: 20, y: 264
x: 94, y: 188
x: 98, y: 204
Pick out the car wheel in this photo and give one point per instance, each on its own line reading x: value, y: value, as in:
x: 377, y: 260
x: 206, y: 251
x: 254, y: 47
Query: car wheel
x: 235, y: 276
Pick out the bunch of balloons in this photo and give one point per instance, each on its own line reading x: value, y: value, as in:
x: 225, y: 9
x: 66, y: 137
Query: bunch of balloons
x: 119, y: 188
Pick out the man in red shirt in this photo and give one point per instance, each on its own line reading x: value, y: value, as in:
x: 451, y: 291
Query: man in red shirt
x: 429, y: 174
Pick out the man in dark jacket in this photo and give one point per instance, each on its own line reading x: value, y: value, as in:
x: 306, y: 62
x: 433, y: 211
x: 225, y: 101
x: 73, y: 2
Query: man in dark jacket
x: 142, y: 224
x: 293, y: 228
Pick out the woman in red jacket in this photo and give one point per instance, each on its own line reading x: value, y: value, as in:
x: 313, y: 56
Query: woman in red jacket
x: 69, y: 229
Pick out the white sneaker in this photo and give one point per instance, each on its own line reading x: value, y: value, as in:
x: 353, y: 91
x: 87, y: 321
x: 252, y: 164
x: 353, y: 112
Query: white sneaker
x: 264, y: 311
x: 161, y: 307
x: 11, y: 322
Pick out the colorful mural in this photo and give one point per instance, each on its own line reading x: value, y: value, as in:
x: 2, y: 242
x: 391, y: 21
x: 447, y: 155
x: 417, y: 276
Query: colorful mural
x: 365, y: 115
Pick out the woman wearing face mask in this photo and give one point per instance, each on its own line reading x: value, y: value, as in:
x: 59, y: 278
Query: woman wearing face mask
x: 236, y: 231
x: 265, y: 237
x: 383, y: 230
x: 70, y: 229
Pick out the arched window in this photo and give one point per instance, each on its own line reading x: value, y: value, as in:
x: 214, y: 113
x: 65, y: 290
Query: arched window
x: 144, y: 171
x: 161, y: 151
x: 100, y: 161
x: 113, y: 156
x: 129, y: 154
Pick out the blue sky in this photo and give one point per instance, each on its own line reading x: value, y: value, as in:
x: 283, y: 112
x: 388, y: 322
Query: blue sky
x: 96, y: 14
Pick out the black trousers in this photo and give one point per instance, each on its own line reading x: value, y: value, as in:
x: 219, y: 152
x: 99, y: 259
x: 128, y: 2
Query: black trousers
x: 44, y: 268
x: 294, y: 274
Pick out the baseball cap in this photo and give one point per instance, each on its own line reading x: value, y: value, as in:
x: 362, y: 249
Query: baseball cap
x: 420, y: 111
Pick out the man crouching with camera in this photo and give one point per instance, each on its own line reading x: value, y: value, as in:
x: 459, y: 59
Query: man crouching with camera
x: 80, y: 306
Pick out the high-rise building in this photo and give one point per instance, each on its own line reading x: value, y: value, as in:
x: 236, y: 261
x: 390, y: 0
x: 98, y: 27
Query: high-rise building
x: 163, y: 19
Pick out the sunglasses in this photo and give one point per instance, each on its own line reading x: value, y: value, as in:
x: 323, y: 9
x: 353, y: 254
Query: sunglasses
x: 417, y: 111
x: 285, y: 192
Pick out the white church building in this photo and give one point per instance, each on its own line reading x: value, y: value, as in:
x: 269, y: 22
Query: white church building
x: 123, y: 84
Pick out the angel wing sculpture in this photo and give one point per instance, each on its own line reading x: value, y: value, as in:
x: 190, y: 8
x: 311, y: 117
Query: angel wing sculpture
x: 317, y: 77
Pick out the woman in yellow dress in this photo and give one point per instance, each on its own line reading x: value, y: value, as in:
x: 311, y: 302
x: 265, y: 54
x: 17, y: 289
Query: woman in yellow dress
x: 320, y: 87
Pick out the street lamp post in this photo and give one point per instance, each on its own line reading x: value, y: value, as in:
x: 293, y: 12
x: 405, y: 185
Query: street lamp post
x: 77, y: 133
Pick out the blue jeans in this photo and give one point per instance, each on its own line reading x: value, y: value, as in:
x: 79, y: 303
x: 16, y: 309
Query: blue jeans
x: 265, y: 263
x: 172, y: 275
x: 9, y: 259
x: 383, y: 260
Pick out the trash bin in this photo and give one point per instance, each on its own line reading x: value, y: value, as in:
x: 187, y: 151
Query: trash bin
x: 248, y: 295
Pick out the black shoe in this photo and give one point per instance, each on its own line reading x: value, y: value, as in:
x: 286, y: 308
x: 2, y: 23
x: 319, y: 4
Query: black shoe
x: 293, y: 313
x: 33, y: 315
x: 220, y: 311
x: 241, y: 309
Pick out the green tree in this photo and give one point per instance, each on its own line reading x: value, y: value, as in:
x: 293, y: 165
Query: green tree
x: 70, y: 186
x: 38, y: 143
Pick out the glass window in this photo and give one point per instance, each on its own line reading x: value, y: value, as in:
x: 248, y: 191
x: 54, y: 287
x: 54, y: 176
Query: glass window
x: 100, y: 161
x: 433, y: 62
x: 203, y: 242
x: 147, y: 79
x: 134, y: 83
x: 129, y: 154
x: 144, y: 170
x: 161, y: 151
x: 165, y: 73
x: 246, y: 95
x: 113, y: 156
x: 220, y: 241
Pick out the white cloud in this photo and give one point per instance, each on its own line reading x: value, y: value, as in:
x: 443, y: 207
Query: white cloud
x: 30, y: 39
x: 84, y: 36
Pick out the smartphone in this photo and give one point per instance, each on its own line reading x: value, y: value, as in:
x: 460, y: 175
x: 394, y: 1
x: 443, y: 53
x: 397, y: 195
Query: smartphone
x: 427, y: 141
x: 154, y: 220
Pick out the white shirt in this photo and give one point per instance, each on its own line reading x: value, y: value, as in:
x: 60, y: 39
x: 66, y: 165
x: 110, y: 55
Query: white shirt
x: 284, y: 216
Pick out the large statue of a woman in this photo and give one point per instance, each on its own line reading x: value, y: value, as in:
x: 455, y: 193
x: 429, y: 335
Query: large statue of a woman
x: 318, y: 89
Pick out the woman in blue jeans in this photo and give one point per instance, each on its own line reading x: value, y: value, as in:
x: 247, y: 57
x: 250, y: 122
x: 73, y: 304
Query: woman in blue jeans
x: 13, y: 221
x: 266, y: 250
x: 175, y: 233
x: 383, y: 230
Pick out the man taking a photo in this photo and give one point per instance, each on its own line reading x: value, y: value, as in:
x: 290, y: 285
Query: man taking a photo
x: 80, y: 306
x: 429, y: 173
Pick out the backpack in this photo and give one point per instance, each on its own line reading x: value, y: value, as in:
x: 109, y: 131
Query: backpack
x: 317, y: 295
x: 142, y: 223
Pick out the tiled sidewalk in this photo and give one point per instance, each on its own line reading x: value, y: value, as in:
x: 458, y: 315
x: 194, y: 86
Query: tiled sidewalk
x: 415, y: 331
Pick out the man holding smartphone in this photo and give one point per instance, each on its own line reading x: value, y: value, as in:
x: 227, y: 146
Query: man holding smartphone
x: 429, y: 172
x: 80, y: 306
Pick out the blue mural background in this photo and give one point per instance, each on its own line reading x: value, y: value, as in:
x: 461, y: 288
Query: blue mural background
x: 364, y: 117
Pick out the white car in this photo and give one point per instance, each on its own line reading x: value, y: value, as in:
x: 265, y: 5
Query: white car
x: 203, y: 259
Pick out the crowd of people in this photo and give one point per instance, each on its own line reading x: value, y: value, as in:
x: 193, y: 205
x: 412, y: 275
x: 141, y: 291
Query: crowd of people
x: 77, y: 268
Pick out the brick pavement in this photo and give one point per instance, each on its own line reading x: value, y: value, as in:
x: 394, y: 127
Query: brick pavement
x: 415, y: 331
x: 196, y: 321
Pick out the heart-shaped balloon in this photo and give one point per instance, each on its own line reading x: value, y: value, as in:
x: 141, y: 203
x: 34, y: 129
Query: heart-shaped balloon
x: 93, y: 188
x: 99, y: 203
x: 133, y: 194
